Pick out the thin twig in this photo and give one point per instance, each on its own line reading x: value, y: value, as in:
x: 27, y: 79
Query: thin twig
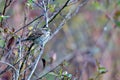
x: 28, y: 24
x: 41, y: 52
x: 7, y: 4
x: 37, y: 4
x: 27, y: 68
x: 46, y: 13
x: 54, y: 65
x: 68, y: 16
x: 52, y: 18
x: 56, y: 31
x: 16, y: 71
x: 9, y: 65
x: 37, y: 60
x: 55, y: 15
x: 25, y: 58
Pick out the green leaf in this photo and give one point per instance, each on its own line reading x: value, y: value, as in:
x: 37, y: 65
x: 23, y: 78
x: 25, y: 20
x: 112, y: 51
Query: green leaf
x: 69, y: 75
x: 30, y: 1
x: 30, y: 4
x: 3, y: 17
x: 60, y: 72
x: 2, y: 42
x: 102, y: 70
x: 118, y: 2
x: 50, y: 76
x: 52, y: 73
x: 97, y: 5
x: 51, y: 7
x: 117, y: 23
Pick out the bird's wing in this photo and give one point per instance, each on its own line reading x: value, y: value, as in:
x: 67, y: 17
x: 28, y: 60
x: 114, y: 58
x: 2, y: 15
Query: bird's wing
x: 35, y: 34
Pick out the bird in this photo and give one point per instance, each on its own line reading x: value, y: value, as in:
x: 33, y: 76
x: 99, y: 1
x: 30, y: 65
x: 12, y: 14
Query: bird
x: 39, y: 36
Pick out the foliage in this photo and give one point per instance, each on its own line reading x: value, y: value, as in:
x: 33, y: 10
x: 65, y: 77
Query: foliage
x: 80, y: 32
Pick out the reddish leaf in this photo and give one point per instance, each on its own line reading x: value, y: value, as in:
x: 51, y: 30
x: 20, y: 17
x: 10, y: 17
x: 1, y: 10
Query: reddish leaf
x: 6, y: 76
x: 10, y: 42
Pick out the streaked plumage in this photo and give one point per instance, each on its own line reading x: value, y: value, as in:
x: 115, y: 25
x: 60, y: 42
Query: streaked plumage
x: 39, y: 36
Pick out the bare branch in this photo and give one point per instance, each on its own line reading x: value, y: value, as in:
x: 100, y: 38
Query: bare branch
x: 7, y: 4
x: 46, y: 13
x: 9, y: 65
x: 28, y: 24
x: 55, y: 15
x: 37, y: 60
x: 54, y: 65
x: 67, y: 17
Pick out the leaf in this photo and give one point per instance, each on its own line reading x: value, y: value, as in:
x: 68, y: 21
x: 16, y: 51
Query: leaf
x: 10, y: 42
x: 30, y: 4
x: 3, y: 17
x: 60, y: 72
x: 6, y: 30
x: 117, y: 23
x: 116, y: 18
x: 30, y: 1
x: 97, y: 5
x: 30, y: 27
x: 52, y: 73
x: 118, y: 2
x: 69, y: 75
x: 2, y: 42
x: 102, y: 70
x: 51, y: 7
x: 6, y: 76
x: 50, y: 76
x: 116, y: 14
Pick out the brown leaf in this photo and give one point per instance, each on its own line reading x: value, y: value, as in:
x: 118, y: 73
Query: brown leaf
x: 116, y: 15
x: 6, y: 76
x: 6, y: 30
x: 10, y: 42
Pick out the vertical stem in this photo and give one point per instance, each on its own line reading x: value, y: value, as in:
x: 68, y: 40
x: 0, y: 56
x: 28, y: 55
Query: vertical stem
x: 37, y: 60
x: 46, y: 13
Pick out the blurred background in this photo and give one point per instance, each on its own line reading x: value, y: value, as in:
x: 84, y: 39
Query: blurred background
x: 90, y: 39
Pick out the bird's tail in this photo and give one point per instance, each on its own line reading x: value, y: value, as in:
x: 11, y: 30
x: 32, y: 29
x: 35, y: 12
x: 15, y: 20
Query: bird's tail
x: 18, y: 41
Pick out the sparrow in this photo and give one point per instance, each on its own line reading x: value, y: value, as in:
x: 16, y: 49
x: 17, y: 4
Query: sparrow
x: 39, y: 36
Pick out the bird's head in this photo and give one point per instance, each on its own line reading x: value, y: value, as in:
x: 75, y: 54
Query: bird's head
x: 46, y: 30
